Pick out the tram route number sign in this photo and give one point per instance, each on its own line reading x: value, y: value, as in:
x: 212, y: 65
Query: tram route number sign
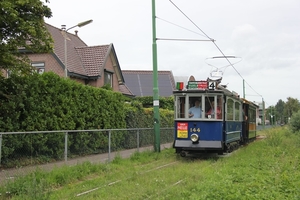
x: 212, y: 85
x: 199, y: 85
x: 182, y: 130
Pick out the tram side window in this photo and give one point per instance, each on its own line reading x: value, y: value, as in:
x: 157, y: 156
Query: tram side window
x: 180, y: 107
x: 230, y: 108
x: 252, y: 115
x: 237, y: 111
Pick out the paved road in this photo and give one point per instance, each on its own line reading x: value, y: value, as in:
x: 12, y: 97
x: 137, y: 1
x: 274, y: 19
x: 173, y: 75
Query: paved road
x: 8, y: 174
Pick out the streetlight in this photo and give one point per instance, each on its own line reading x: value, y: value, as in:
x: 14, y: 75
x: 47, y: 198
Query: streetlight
x: 63, y: 27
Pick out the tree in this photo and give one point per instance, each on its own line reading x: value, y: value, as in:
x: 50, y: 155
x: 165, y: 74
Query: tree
x: 291, y: 106
x: 22, y: 30
x: 295, y: 122
x: 279, y: 107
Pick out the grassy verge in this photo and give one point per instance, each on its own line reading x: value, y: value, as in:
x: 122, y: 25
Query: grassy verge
x: 265, y: 169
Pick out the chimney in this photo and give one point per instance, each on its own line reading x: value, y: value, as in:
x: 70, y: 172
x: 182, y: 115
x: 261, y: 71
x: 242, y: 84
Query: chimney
x: 76, y: 32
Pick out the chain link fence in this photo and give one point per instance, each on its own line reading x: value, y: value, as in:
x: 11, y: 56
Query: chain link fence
x: 70, y: 147
x: 64, y: 145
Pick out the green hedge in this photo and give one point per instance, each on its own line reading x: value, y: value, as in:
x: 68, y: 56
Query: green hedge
x: 48, y: 102
x: 164, y: 102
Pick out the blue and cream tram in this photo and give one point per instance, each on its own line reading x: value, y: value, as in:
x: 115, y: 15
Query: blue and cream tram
x: 225, y: 121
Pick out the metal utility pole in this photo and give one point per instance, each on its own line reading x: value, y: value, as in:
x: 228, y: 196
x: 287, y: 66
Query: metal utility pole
x: 263, y: 114
x: 155, y: 84
x: 244, y: 95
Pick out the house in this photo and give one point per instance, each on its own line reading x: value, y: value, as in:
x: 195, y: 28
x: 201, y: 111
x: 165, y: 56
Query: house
x: 140, y: 82
x: 97, y: 66
x: 89, y: 65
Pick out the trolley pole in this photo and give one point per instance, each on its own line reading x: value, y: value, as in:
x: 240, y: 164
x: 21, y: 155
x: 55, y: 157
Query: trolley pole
x: 155, y: 84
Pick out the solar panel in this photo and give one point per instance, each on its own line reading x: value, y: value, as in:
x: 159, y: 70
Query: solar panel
x: 142, y: 84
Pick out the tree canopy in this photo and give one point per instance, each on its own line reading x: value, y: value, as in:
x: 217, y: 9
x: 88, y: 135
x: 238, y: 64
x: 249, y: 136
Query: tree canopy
x: 22, y: 30
x: 279, y: 107
x: 292, y: 106
x: 284, y: 110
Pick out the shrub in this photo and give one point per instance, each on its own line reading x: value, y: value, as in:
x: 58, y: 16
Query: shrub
x: 295, y: 122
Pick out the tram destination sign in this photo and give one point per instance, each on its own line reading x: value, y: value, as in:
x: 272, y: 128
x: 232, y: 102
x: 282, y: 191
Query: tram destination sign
x: 198, y: 85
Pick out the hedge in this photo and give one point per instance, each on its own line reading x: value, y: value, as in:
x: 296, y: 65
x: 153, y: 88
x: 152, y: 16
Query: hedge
x: 48, y: 102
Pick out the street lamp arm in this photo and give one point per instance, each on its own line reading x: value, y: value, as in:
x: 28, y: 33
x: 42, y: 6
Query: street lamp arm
x: 71, y: 28
x: 81, y: 24
x: 84, y: 23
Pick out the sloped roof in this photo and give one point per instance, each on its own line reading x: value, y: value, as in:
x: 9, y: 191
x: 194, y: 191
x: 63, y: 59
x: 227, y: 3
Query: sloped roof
x: 82, y: 60
x: 93, y: 58
x: 73, y: 61
x: 125, y: 90
x: 140, y: 82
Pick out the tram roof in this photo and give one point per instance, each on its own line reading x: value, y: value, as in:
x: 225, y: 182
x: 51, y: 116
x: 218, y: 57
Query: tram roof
x: 249, y: 102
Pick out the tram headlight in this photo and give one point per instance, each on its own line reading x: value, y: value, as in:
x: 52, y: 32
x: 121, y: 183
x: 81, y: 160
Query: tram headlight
x: 194, y: 137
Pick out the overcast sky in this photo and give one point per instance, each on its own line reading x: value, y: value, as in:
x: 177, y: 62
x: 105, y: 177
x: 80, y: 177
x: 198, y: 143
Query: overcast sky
x: 263, y: 35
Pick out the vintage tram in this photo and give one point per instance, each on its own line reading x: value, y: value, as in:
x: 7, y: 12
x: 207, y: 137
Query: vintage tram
x: 211, y: 119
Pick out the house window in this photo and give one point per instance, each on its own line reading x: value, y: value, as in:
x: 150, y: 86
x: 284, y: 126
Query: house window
x: 108, y: 76
x: 40, y: 67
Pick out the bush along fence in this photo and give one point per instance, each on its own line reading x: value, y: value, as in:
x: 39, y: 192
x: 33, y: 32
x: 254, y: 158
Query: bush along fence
x: 43, y: 105
x: 75, y: 143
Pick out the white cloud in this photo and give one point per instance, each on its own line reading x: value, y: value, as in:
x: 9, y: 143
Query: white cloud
x: 244, y: 33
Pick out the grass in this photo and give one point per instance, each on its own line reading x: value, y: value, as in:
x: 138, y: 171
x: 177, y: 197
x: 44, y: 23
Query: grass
x: 265, y: 169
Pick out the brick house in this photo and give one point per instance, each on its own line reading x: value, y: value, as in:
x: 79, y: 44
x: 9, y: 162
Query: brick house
x: 89, y: 65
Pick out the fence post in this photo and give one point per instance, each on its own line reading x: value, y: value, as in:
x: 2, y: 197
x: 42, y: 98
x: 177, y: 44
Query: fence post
x: 66, y: 146
x: 138, y: 140
x: 109, y: 143
x: 0, y: 148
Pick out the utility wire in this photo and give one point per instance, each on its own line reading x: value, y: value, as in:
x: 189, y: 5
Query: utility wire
x: 213, y: 43
x: 180, y: 26
x: 190, y: 20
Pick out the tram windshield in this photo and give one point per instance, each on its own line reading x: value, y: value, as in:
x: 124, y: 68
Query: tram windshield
x: 200, y: 106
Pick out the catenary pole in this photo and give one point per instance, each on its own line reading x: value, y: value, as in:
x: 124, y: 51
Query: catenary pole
x: 244, y: 95
x: 155, y: 84
x: 263, y: 115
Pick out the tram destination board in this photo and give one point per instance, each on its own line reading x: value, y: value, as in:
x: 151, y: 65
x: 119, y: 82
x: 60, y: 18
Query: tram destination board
x: 198, y: 85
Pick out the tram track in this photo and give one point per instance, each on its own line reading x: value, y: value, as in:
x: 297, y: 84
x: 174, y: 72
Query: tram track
x: 128, y: 178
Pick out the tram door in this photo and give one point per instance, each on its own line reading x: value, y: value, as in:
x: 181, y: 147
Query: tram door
x: 245, y: 125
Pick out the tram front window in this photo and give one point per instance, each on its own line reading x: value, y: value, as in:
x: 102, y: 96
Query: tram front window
x: 205, y: 106
x: 180, y: 107
x: 213, y: 107
x: 195, y: 111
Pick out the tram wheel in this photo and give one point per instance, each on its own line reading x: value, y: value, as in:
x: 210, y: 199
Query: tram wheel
x: 183, y: 154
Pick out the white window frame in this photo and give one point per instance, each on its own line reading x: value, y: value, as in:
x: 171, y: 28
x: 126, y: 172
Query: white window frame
x: 40, y: 67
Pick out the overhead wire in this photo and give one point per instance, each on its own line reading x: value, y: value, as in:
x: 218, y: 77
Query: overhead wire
x: 180, y: 26
x: 213, y: 41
